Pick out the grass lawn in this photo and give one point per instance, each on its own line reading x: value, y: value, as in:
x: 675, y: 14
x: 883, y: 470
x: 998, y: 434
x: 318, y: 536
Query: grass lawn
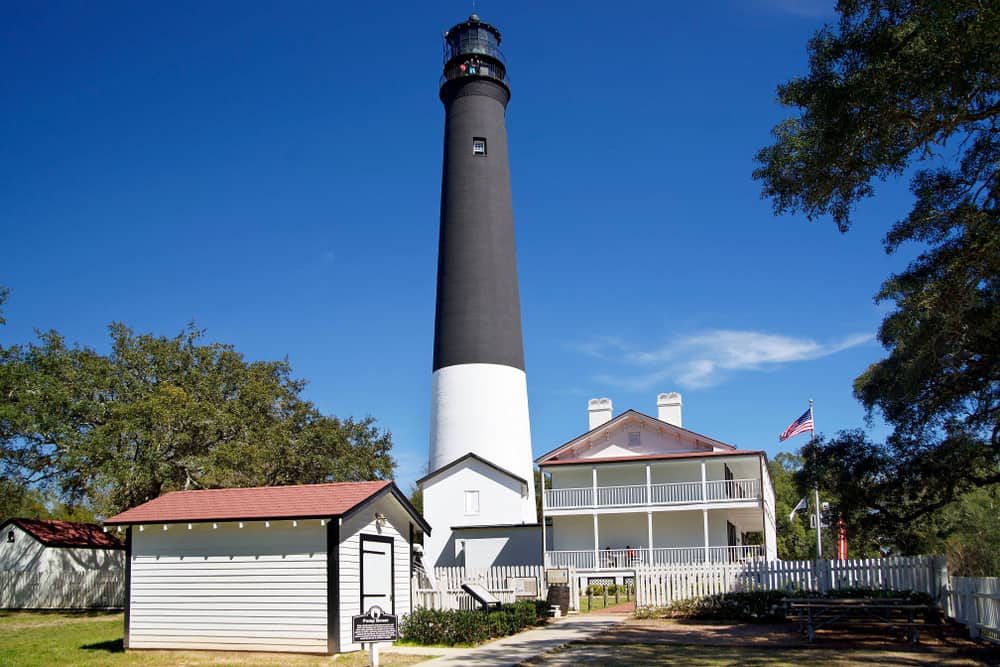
x: 596, y: 602
x: 42, y: 639
x: 636, y: 655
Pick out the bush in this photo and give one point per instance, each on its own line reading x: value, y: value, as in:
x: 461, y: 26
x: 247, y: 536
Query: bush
x: 434, y: 626
x: 763, y: 606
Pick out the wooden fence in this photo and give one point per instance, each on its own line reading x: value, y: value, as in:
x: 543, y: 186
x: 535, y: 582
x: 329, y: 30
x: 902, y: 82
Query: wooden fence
x: 974, y: 601
x: 63, y: 590
x: 448, y: 593
x: 661, y: 586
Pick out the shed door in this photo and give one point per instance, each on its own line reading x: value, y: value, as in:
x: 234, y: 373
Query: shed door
x: 376, y: 573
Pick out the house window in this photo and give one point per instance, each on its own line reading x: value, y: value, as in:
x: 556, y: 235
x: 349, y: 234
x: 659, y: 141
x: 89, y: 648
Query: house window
x: 479, y: 146
x: 10, y: 536
x: 472, y: 502
x: 634, y: 438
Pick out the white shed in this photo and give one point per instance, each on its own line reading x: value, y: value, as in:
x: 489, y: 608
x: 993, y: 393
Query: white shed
x: 59, y: 565
x: 266, y: 569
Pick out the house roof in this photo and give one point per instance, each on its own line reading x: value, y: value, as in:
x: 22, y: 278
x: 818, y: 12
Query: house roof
x: 623, y: 417
x: 301, y: 501
x: 466, y: 457
x: 67, y: 534
x: 650, y: 457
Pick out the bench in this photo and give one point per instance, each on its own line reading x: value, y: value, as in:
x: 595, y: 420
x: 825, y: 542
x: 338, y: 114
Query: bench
x: 814, y: 614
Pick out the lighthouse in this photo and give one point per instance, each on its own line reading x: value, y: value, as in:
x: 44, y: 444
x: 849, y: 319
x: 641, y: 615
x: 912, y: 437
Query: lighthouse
x: 479, y: 489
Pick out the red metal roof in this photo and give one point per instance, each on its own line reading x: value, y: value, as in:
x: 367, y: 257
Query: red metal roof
x: 262, y: 502
x: 68, y: 534
x: 649, y: 457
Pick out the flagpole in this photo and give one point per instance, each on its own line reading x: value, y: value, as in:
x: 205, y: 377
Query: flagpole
x: 812, y: 439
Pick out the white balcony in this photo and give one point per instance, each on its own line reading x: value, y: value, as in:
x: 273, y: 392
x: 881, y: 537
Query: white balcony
x: 623, y: 559
x: 641, y: 495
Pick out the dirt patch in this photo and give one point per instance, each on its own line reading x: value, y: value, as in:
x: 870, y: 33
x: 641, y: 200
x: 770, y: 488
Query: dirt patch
x: 770, y: 644
x: 20, y: 620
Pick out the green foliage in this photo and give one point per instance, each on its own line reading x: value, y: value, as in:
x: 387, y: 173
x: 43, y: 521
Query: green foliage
x: 457, y: 627
x: 910, y: 86
x: 795, y: 541
x: 966, y: 531
x: 763, y: 606
x: 160, y: 413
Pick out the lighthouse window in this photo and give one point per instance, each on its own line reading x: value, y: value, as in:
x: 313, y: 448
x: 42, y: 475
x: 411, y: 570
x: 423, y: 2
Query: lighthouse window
x: 478, y: 146
x: 472, y: 502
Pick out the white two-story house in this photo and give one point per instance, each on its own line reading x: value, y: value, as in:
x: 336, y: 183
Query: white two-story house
x: 636, y: 490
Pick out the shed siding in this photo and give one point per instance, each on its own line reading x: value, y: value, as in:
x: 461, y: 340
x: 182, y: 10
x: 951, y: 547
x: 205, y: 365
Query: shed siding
x: 363, y: 522
x: 252, y: 588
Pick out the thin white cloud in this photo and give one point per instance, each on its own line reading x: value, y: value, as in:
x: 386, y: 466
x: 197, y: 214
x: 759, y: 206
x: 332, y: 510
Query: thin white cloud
x: 813, y: 9
x: 704, y: 359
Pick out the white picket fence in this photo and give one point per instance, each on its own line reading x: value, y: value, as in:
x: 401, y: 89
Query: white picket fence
x: 63, y: 590
x: 661, y: 586
x: 449, y: 594
x: 974, y: 601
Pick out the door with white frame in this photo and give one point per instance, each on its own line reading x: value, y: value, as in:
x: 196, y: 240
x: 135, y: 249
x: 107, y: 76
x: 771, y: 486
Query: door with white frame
x: 377, y: 585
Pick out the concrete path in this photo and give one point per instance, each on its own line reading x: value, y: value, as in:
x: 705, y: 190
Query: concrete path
x: 510, y: 651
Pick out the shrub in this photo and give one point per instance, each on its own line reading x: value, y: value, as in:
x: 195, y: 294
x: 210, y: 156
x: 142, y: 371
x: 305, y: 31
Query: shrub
x: 434, y: 626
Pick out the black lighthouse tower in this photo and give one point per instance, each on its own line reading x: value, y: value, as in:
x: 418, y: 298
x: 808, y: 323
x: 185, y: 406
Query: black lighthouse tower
x: 479, y: 398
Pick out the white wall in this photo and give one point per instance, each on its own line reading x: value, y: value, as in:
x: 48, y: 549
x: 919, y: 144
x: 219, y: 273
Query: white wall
x: 500, y: 546
x: 680, y: 529
x: 665, y: 472
x: 26, y: 554
x: 500, y: 502
x: 252, y: 589
x: 570, y: 477
x: 571, y: 533
x: 618, y: 531
x: 362, y: 522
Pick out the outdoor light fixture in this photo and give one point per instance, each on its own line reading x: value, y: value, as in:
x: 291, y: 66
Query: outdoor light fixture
x: 379, y: 520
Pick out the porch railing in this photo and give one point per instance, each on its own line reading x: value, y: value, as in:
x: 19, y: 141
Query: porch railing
x: 635, y: 495
x: 623, y: 559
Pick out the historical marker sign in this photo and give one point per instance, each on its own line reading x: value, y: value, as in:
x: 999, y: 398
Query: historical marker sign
x: 375, y: 626
x: 557, y: 576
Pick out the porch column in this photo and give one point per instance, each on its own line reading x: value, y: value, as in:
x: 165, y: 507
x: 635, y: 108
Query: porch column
x: 545, y: 501
x: 545, y: 557
x: 649, y: 534
x: 597, y: 548
x: 704, y: 483
x: 594, y: 485
x: 704, y: 514
x: 649, y: 486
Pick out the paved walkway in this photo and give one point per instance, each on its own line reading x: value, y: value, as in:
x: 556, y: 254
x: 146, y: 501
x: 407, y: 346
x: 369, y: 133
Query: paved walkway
x: 510, y: 651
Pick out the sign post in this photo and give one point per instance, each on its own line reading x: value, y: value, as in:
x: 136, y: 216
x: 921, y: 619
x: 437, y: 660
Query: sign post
x: 373, y: 627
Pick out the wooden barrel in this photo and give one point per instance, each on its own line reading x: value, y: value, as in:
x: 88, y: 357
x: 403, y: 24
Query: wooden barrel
x: 559, y: 596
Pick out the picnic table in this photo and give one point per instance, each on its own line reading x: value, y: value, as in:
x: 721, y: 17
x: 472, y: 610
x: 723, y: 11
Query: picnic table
x: 815, y: 613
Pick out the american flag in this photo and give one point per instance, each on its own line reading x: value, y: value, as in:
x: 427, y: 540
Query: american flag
x: 800, y: 425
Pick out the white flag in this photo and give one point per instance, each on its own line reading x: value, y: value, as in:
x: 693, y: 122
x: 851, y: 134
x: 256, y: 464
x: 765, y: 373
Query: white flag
x: 801, y: 506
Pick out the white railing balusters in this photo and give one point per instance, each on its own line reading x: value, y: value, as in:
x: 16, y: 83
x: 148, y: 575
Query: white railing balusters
x: 670, y: 493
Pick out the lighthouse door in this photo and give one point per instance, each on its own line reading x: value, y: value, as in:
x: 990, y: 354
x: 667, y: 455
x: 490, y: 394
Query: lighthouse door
x: 376, y: 573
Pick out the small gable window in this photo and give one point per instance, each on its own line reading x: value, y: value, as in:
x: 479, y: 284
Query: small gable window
x: 472, y: 502
x: 10, y: 536
x: 634, y: 438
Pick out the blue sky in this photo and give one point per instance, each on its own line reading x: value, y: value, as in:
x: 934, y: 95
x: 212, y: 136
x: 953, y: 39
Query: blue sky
x: 272, y: 172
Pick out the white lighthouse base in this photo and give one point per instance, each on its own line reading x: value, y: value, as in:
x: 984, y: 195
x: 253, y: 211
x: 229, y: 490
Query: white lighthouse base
x: 480, y: 409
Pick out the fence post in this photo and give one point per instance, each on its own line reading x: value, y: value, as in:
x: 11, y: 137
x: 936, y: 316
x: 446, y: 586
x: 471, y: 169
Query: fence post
x: 939, y: 578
